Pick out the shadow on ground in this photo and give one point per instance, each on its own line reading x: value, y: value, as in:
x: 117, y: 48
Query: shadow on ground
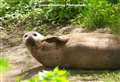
x: 79, y: 75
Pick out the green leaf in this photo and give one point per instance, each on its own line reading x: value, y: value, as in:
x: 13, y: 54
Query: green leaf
x: 4, y: 64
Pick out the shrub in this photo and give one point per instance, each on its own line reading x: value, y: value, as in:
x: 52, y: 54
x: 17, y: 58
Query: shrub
x: 95, y: 13
x: 100, y: 14
x: 115, y: 19
x: 56, y: 75
x: 30, y: 14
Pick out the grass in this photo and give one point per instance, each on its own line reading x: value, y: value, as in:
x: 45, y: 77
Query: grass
x: 76, y: 75
x: 29, y: 14
x: 95, y: 76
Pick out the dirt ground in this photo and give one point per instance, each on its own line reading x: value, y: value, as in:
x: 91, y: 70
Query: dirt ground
x: 20, y: 60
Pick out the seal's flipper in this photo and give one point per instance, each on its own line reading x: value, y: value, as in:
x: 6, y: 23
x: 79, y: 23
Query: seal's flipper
x: 57, y: 40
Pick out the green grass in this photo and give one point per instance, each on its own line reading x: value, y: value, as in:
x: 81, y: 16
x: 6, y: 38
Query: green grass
x: 29, y: 14
x: 100, y: 14
x: 98, y: 75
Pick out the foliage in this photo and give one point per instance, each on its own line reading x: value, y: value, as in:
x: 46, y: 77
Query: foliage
x: 100, y: 14
x: 56, y: 75
x: 4, y: 64
x: 115, y: 19
x: 96, y: 13
x: 30, y: 14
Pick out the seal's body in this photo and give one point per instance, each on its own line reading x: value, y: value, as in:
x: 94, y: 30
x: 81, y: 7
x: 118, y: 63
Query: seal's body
x: 76, y: 50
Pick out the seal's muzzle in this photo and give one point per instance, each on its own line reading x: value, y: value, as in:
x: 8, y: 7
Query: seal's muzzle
x: 30, y: 41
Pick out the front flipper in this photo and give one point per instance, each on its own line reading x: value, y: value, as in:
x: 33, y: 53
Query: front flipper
x: 54, y: 39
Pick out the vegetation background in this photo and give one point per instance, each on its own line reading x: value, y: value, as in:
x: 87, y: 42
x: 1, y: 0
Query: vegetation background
x: 29, y: 14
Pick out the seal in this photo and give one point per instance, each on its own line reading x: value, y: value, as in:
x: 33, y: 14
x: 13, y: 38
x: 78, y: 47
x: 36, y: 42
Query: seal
x: 75, y: 50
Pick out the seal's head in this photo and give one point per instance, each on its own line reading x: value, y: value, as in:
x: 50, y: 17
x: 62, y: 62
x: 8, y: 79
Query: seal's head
x: 32, y: 39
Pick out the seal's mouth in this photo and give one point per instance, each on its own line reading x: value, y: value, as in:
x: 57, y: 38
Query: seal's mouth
x: 30, y: 42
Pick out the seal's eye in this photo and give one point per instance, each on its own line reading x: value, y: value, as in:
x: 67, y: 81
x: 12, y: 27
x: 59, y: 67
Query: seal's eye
x: 25, y: 36
x: 34, y: 34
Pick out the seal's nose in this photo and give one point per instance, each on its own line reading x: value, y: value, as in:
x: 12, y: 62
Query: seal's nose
x: 30, y: 41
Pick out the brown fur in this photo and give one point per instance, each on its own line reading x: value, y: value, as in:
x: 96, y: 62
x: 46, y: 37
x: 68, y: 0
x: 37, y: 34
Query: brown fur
x: 79, y: 50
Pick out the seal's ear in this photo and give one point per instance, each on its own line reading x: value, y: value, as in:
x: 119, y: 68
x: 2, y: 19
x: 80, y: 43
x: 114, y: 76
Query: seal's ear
x: 55, y: 39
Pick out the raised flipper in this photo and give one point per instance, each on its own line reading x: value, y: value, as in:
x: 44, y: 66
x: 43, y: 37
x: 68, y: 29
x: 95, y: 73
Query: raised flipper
x: 55, y: 39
